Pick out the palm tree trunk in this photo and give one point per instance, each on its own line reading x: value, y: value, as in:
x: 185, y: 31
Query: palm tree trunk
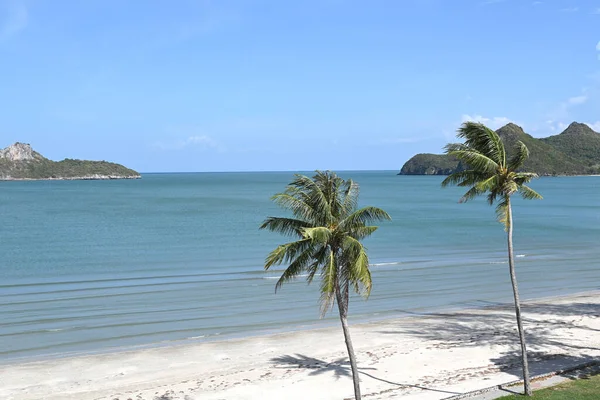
x: 513, y: 279
x: 342, y: 301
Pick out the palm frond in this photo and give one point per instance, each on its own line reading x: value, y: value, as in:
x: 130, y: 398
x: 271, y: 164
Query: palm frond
x: 481, y: 138
x: 488, y: 184
x: 521, y: 154
x: 494, y: 193
x: 509, y: 187
x: 299, y: 207
x: 350, y: 197
x: 297, y: 267
x: 356, y: 266
x: 326, y: 218
x: 319, y: 259
x: 502, y: 211
x: 319, y: 234
x: 285, y: 226
x: 484, y: 153
x: 311, y: 191
x: 364, y: 216
x: 524, y: 177
x: 328, y: 282
x: 529, y: 194
x: 287, y: 252
x: 470, y: 194
x: 463, y: 178
x: 361, y: 232
x: 473, y: 158
x: 321, y: 195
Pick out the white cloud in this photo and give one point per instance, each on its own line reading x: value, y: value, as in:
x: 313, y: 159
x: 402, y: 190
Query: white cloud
x: 13, y: 20
x: 556, y: 126
x: 595, y: 125
x: 197, y: 141
x: 570, y: 9
x: 577, y: 100
x: 598, y: 48
x: 203, y: 141
x: 596, y: 11
x: 494, y: 122
x: 562, y: 110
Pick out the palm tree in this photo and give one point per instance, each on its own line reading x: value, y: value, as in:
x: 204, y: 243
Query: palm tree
x: 328, y: 229
x: 489, y: 171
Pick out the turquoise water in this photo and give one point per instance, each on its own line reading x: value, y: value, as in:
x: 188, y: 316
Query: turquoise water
x: 90, y: 266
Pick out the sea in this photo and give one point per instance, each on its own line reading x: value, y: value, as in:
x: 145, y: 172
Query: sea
x: 101, y: 266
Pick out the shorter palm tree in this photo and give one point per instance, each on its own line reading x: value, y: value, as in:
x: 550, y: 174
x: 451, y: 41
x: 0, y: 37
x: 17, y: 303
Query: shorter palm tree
x: 489, y: 171
x: 328, y: 229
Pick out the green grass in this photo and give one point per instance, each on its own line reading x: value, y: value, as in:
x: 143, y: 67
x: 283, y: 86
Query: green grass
x: 581, y: 389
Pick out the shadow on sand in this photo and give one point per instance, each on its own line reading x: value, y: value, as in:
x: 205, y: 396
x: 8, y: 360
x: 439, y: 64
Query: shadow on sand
x: 495, y: 325
x: 340, y: 368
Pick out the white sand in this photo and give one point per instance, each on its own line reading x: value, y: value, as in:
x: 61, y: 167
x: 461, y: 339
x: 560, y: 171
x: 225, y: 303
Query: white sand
x: 421, y: 357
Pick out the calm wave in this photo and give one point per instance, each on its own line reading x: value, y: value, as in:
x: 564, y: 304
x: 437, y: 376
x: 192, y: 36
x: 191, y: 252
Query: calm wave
x: 92, y: 266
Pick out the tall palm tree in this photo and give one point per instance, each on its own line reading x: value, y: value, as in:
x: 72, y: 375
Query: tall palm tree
x: 490, y: 171
x: 328, y: 229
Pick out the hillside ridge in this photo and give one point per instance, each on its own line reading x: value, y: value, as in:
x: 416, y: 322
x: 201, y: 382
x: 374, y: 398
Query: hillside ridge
x: 20, y: 162
x: 575, y: 151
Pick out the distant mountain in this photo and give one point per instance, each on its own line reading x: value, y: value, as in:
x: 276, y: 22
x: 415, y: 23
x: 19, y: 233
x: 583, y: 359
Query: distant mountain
x: 578, y: 139
x: 20, y: 162
x: 576, y: 151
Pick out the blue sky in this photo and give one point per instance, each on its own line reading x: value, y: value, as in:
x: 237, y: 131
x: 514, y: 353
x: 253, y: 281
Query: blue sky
x: 288, y: 85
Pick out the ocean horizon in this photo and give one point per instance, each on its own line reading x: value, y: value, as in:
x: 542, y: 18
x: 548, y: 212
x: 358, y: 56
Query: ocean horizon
x: 98, y: 266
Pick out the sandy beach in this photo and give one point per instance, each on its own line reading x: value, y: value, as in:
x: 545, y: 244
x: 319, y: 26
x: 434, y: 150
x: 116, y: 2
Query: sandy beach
x: 432, y: 356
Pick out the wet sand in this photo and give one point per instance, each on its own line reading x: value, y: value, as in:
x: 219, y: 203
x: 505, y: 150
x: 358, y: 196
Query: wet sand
x: 433, y: 356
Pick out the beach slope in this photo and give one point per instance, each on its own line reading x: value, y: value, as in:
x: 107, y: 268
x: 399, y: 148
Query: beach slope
x: 433, y: 356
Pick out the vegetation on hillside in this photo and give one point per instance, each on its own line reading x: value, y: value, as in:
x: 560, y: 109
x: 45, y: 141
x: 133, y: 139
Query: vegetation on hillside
x: 576, y: 151
x: 581, y: 140
x: 544, y: 159
x: 20, y: 161
x: 66, y: 169
x: 430, y: 164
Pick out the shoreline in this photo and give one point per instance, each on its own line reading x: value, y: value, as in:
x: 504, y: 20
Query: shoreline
x: 73, y: 178
x: 425, y: 356
x: 331, y: 322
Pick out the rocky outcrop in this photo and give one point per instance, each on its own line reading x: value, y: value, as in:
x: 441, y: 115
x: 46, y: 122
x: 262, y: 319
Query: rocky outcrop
x: 20, y: 162
x: 20, y: 152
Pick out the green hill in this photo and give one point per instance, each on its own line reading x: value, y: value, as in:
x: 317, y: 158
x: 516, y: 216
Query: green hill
x: 576, y: 151
x: 578, y: 139
x: 430, y: 164
x: 21, y: 162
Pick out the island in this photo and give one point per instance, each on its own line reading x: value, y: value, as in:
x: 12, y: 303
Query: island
x: 575, y: 151
x: 20, y: 162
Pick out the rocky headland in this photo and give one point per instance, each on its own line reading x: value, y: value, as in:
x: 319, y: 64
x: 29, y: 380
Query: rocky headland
x: 20, y: 162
